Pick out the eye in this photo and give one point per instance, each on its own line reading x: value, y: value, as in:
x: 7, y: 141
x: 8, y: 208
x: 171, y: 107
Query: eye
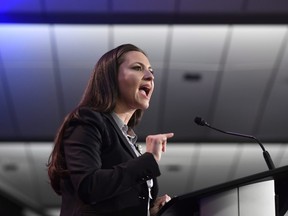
x: 137, y: 68
x: 151, y: 71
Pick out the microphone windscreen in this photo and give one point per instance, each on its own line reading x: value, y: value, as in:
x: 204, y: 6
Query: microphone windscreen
x: 199, y: 121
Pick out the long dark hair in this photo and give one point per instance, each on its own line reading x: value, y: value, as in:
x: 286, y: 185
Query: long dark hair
x: 101, y: 95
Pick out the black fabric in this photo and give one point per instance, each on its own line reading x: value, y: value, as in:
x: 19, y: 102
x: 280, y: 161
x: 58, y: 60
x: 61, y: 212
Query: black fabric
x: 106, y: 177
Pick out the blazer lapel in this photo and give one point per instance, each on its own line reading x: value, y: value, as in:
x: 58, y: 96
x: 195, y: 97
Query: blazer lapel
x: 124, y: 140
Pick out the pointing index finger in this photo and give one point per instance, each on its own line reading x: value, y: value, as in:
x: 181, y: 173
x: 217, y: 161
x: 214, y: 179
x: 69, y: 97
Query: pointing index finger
x: 168, y: 135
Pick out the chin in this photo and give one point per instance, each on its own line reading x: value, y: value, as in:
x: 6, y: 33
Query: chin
x: 145, y: 106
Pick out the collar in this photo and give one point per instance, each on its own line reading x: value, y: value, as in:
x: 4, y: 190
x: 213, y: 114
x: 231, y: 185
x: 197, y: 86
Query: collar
x: 129, y: 132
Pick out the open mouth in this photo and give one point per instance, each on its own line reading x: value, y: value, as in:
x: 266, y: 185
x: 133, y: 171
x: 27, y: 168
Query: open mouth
x: 145, y: 89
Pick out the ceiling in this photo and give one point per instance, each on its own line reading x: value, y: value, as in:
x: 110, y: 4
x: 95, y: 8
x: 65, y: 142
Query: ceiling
x: 223, y: 60
x: 144, y: 12
x: 232, y: 75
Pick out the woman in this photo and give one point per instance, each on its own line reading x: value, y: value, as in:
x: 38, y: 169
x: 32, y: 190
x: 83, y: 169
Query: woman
x: 95, y: 164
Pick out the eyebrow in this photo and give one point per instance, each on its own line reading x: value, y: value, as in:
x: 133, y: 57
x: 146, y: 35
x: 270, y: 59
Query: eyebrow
x: 150, y: 67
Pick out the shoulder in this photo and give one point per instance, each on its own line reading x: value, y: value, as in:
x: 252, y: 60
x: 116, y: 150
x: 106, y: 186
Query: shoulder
x: 86, y: 120
x: 88, y: 113
x: 87, y: 116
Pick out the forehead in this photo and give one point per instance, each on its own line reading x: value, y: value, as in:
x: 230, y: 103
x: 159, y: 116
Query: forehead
x: 135, y: 56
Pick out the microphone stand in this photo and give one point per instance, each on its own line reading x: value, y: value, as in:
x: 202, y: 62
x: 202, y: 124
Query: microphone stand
x: 266, y: 154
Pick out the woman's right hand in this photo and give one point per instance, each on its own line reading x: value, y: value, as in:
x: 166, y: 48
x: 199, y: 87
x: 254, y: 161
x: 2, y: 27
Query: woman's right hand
x: 156, y: 144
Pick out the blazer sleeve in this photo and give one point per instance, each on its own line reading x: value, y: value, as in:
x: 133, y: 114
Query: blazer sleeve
x: 83, y: 146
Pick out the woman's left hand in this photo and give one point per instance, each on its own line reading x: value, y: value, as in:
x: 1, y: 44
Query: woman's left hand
x: 159, y: 203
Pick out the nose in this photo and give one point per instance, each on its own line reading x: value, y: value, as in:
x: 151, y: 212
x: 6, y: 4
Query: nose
x: 148, y: 75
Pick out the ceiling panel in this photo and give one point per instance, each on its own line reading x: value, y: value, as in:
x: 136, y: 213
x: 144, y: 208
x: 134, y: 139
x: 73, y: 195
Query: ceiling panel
x: 80, y: 45
x: 77, y: 49
x: 176, y: 165
x: 15, y: 166
x: 279, y: 6
x: 252, y: 160
x: 7, y: 124
x: 186, y: 99
x: 29, y: 69
x: 251, y: 58
x: 277, y: 102
x: 20, y: 6
x: 25, y: 45
x: 197, y: 47
x: 214, y: 166
x: 254, y: 46
x: 75, y: 6
x: 153, y: 40
x: 284, y: 157
x: 38, y: 121
x: 277, y: 152
x: 39, y: 153
x: 147, y: 6
x: 208, y: 6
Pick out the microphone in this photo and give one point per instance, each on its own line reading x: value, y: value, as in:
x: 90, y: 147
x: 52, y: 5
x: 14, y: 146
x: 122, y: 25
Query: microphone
x: 201, y: 122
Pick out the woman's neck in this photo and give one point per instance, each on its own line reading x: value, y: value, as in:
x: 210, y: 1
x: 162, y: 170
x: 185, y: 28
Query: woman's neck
x: 125, y: 116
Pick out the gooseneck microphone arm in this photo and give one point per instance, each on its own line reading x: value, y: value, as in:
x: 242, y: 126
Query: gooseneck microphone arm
x: 266, y: 155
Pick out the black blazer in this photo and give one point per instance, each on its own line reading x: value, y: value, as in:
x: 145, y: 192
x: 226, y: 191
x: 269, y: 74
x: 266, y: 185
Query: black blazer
x: 106, y: 177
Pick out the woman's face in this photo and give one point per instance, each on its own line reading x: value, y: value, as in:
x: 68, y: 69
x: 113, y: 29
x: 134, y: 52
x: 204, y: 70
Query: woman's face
x: 136, y: 82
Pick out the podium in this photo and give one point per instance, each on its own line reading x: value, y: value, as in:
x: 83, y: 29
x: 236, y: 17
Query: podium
x: 261, y: 194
